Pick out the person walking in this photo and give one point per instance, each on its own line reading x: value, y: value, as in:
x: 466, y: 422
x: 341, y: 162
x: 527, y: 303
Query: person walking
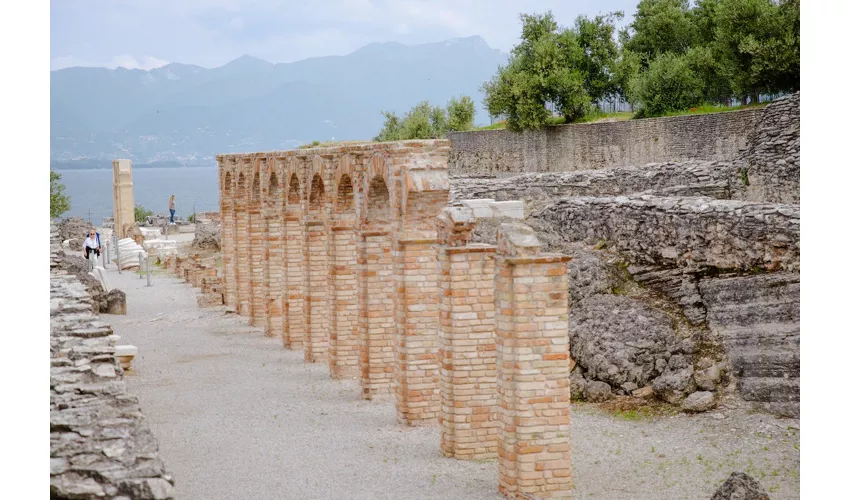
x: 172, y: 207
x: 92, y: 244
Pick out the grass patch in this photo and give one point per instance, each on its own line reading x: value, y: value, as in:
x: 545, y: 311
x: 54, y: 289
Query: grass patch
x: 636, y: 409
x: 327, y: 144
x: 712, y: 108
x: 595, y: 117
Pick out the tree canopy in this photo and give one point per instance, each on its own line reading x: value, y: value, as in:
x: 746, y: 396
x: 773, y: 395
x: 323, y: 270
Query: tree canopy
x: 59, y: 201
x: 425, y: 121
x: 673, y: 55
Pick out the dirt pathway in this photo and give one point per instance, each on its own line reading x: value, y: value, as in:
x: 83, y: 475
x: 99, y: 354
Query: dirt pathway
x: 239, y: 417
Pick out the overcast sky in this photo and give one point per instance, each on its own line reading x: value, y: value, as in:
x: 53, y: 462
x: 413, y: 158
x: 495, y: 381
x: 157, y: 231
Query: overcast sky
x: 150, y: 33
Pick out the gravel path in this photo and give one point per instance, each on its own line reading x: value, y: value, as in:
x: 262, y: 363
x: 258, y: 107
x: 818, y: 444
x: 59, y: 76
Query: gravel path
x: 239, y: 417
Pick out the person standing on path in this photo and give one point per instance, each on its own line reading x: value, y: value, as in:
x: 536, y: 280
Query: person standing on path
x: 172, y: 207
x: 92, y: 244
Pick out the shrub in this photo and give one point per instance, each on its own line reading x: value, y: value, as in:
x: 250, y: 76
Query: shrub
x: 668, y: 84
x: 59, y: 201
x: 141, y: 213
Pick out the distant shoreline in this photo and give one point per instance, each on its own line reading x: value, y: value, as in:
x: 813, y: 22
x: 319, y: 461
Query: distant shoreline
x: 71, y: 166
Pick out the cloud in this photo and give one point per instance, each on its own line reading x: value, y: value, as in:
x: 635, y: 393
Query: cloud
x: 212, y: 32
x: 236, y: 24
x: 119, y: 61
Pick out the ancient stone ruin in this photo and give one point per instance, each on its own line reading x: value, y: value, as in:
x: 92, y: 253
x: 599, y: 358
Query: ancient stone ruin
x: 409, y: 266
x: 100, y: 444
x: 123, y: 204
x: 686, y: 274
x: 351, y: 254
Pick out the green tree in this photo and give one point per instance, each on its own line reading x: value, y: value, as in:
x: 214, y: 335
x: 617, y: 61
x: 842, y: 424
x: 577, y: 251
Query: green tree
x: 660, y: 26
x: 391, y: 131
x: 140, y: 213
x: 461, y: 114
x: 596, y: 39
x: 425, y: 121
x: 543, y: 68
x: 704, y: 19
x: 758, y: 42
x: 59, y: 201
x: 668, y: 84
x: 626, y: 67
x: 704, y: 62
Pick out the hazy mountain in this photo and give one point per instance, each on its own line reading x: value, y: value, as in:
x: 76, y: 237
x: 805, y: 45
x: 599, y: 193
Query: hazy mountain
x: 185, y: 113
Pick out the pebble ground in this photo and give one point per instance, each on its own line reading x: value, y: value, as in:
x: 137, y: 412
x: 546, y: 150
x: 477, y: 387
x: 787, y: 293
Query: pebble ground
x: 237, y: 416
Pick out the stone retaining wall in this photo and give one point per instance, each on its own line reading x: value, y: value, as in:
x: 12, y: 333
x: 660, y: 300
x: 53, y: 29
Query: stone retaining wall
x: 562, y: 148
x: 694, y: 178
x: 100, y: 444
x: 676, y: 232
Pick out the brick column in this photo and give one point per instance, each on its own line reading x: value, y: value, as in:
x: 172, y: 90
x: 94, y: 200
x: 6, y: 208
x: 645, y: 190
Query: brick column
x: 257, y: 226
x: 533, y: 352
x: 417, y: 375
x: 469, y: 417
x: 227, y: 247
x: 316, y: 292
x: 274, y: 275
x: 377, y: 325
x: 243, y: 282
x: 344, y: 347
x: 293, y: 306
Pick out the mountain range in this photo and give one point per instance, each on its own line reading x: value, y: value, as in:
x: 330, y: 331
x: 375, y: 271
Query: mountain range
x: 182, y: 114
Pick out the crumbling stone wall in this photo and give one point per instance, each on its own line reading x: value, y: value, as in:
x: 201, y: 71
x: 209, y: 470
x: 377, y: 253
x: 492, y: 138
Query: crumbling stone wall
x: 100, y: 445
x: 771, y: 163
x: 563, y: 148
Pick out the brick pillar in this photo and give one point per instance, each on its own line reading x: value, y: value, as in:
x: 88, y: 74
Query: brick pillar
x: 274, y: 275
x: 533, y: 350
x: 256, y: 249
x: 344, y: 346
x: 316, y: 293
x: 293, y: 306
x: 469, y: 417
x: 243, y: 281
x: 417, y: 375
x: 227, y: 248
x: 377, y: 325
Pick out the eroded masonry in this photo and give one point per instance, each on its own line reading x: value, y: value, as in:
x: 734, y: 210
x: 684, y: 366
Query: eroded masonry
x: 352, y: 254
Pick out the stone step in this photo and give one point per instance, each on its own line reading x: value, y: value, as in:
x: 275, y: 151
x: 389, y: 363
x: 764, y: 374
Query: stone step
x: 766, y: 363
x: 773, y: 389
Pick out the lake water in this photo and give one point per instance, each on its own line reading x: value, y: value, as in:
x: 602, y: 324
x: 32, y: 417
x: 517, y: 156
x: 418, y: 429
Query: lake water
x: 91, y: 190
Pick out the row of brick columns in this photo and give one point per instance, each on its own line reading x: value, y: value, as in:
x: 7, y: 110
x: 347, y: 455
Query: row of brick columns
x: 351, y: 254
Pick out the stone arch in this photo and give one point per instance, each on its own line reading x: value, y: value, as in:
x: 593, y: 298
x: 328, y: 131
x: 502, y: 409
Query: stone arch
x: 317, y: 193
x: 378, y: 208
x: 293, y: 196
x: 344, y: 203
x: 240, y: 186
x: 227, y: 187
x: 273, y: 197
x: 255, y: 188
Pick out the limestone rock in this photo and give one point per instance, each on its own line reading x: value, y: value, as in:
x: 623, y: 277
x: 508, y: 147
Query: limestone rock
x: 644, y: 392
x: 74, y: 228
x: 699, y: 402
x: 76, y: 244
x: 740, y: 486
x: 707, y: 376
x: 677, y: 380
x: 207, y: 236
x: 578, y: 384
x: 116, y: 302
x: 598, y: 392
